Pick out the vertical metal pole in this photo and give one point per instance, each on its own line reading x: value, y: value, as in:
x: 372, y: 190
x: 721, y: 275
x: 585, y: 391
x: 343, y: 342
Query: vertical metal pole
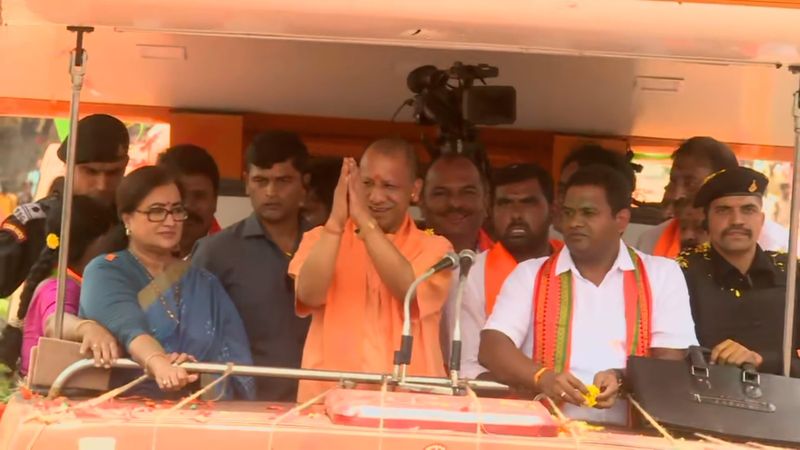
x: 794, y: 222
x: 77, y: 69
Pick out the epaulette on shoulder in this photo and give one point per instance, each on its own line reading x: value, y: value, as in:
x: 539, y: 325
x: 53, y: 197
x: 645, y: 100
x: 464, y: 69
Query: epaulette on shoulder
x: 778, y: 258
x: 29, y: 211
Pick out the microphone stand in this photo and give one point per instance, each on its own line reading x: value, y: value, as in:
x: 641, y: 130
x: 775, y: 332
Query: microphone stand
x: 467, y: 259
x: 402, y: 357
x: 455, y: 347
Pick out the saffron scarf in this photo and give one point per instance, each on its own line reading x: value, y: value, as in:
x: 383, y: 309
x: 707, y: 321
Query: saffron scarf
x: 485, y: 241
x: 552, y: 306
x: 669, y: 243
x: 499, y: 265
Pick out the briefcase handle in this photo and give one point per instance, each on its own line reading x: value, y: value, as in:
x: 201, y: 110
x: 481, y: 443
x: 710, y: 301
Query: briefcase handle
x: 697, y: 362
x: 751, y: 381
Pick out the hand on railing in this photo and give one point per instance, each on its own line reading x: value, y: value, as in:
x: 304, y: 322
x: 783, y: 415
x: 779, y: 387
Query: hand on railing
x: 167, y: 372
x: 99, y: 341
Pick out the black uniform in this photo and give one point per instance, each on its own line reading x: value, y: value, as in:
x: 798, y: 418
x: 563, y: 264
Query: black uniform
x: 748, y: 309
x: 22, y: 238
x: 101, y: 138
x: 726, y: 304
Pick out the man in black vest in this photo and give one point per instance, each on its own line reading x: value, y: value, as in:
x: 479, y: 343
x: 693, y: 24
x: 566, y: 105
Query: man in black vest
x: 737, y: 289
x: 100, y: 157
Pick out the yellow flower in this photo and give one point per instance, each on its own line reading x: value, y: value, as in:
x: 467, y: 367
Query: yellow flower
x: 591, y: 397
x: 53, y: 241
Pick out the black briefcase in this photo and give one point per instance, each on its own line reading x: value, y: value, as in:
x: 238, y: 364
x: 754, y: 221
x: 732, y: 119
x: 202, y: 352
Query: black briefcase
x: 729, y: 402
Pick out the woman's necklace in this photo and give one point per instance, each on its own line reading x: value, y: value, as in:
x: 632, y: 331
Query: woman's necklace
x: 174, y: 315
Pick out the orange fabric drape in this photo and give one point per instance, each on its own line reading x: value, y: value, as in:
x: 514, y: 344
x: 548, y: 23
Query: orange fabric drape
x: 485, y: 241
x: 669, y: 243
x: 499, y: 265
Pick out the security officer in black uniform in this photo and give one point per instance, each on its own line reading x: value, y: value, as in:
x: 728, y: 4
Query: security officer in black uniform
x: 101, y: 158
x: 737, y: 290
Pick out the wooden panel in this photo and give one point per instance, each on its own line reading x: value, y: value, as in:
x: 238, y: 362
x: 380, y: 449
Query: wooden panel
x: 220, y: 134
x: 24, y: 107
x: 743, y: 151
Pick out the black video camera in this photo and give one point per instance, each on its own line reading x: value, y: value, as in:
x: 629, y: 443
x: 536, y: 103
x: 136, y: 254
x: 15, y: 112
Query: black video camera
x: 450, y: 99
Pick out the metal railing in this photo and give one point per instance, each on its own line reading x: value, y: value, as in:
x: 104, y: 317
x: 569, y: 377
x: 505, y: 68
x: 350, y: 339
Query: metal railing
x: 426, y: 384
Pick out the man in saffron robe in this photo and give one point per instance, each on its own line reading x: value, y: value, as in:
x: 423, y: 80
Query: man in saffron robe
x: 351, y: 274
x: 521, y: 212
x: 611, y: 300
x: 694, y: 161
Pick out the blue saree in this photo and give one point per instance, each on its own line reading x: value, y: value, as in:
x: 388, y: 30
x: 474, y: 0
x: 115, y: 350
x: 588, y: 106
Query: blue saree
x: 185, y: 308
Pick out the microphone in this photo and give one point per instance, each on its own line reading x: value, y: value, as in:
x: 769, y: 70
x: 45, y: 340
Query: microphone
x: 466, y: 258
x: 402, y: 357
x: 451, y: 259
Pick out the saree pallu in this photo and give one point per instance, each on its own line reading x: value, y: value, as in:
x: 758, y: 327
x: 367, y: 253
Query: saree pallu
x: 185, y: 309
x: 210, y: 328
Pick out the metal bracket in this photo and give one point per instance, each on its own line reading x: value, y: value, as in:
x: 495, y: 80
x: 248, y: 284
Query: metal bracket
x: 79, y: 52
x: 750, y: 405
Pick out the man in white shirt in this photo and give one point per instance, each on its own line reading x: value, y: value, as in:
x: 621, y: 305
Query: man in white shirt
x: 573, y: 319
x: 521, y: 213
x: 692, y: 163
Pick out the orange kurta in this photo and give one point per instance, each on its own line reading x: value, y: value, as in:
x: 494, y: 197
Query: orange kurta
x: 359, y: 327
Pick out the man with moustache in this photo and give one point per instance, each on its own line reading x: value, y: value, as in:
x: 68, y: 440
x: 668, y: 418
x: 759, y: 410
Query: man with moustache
x: 455, y: 204
x: 573, y: 318
x: 521, y: 212
x: 101, y: 157
x: 198, y: 175
x: 695, y: 160
x: 251, y: 257
x: 352, y: 274
x: 454, y: 201
x: 737, y: 289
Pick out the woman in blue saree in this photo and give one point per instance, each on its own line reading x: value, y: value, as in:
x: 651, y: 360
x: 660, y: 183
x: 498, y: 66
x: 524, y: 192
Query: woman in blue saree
x: 161, y: 309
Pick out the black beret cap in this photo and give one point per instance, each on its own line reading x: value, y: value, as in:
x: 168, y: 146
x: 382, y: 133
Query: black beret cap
x: 731, y: 182
x: 101, y: 138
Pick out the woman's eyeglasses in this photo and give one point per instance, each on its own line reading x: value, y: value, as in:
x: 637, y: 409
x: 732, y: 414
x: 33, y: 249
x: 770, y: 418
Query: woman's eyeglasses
x: 159, y: 214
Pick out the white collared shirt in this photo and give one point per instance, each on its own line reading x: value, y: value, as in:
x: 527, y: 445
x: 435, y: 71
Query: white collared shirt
x: 598, y: 317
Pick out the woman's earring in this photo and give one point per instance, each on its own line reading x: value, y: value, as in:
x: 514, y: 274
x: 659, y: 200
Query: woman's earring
x: 127, y: 231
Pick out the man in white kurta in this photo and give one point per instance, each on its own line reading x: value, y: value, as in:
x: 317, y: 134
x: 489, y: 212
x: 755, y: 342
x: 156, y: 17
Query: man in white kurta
x: 598, y: 329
